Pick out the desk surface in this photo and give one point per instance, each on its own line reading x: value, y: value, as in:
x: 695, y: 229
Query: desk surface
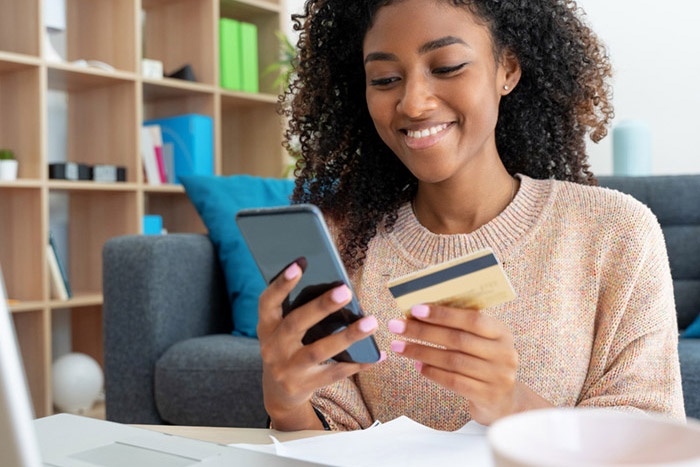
x: 233, y: 435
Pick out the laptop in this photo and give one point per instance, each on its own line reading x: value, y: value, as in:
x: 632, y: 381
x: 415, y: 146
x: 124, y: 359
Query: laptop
x: 65, y: 440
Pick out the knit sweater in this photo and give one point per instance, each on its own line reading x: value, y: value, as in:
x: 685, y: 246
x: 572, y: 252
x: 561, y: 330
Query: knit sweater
x: 594, y: 320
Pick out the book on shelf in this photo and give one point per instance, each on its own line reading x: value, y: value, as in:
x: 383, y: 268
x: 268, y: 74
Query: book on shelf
x: 238, y: 55
x: 148, y: 155
x: 58, y: 287
x: 169, y: 161
x: 157, y: 140
x: 61, y: 265
x: 249, y: 57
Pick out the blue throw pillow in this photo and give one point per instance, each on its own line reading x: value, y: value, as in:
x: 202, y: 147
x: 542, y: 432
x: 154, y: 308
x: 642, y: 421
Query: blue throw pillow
x: 217, y: 199
x: 693, y: 330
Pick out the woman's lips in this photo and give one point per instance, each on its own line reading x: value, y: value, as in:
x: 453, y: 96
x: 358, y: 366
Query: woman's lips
x: 425, y: 137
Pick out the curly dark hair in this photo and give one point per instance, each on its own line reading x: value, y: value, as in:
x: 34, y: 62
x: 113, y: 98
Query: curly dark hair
x: 347, y: 170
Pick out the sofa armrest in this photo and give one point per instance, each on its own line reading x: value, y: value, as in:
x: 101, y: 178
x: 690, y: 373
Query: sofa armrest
x: 158, y: 290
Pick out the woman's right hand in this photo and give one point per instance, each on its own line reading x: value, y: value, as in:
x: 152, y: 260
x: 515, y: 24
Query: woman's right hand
x: 292, y: 371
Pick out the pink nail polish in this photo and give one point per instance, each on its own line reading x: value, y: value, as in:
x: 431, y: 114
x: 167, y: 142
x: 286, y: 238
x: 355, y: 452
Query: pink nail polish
x: 292, y: 272
x: 341, y: 294
x: 382, y: 356
x: 418, y: 365
x: 368, y: 323
x: 398, y: 346
x: 420, y: 311
x: 397, y: 326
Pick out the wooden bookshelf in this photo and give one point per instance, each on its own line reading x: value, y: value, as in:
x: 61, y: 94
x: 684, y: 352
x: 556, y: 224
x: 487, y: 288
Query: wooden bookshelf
x: 105, y: 111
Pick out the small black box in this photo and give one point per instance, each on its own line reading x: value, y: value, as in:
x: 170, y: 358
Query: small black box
x: 70, y: 171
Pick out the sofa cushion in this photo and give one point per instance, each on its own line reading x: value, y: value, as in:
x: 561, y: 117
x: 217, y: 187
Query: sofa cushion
x: 215, y: 380
x: 689, y: 353
x: 217, y: 199
x: 692, y: 331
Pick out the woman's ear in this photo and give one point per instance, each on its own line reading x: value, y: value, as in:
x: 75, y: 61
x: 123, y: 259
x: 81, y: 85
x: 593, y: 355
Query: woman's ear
x: 509, y: 72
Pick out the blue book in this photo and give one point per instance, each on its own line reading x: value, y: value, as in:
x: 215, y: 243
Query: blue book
x: 192, y: 139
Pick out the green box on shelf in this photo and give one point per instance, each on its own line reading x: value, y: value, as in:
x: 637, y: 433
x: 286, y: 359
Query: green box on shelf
x: 230, y: 53
x: 192, y: 138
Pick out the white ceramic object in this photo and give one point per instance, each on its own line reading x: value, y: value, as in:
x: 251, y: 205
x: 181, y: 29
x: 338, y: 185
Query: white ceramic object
x: 77, y: 382
x: 593, y: 437
x: 8, y: 169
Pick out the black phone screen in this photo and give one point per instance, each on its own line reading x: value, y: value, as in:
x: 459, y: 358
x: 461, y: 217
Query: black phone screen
x: 277, y: 237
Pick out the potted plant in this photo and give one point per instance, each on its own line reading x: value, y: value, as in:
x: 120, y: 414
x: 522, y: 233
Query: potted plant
x: 8, y: 165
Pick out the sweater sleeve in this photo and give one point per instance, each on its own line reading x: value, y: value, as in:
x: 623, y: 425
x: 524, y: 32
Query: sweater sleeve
x: 342, y: 405
x: 635, y: 364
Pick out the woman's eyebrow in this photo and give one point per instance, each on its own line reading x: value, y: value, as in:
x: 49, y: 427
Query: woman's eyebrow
x: 442, y: 42
x: 425, y: 48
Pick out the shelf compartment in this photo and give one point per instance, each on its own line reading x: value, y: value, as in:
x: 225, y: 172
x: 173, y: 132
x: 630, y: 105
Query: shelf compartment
x: 251, y: 136
x: 32, y: 328
x: 104, y: 31
x: 182, y: 33
x: 178, y: 213
x: 21, y: 258
x: 266, y: 16
x: 20, y: 29
x: 100, y: 113
x: 21, y: 120
x: 95, y: 217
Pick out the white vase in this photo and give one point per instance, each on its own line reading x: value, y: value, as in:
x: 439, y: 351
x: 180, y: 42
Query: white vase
x: 8, y: 169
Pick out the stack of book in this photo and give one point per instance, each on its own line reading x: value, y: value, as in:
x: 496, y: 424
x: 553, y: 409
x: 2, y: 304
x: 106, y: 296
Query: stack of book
x: 238, y: 50
x: 175, y: 146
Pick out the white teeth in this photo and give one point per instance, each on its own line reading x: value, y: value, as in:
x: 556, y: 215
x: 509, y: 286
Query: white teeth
x: 427, y: 132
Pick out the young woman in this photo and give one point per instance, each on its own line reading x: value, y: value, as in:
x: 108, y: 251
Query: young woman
x: 430, y: 129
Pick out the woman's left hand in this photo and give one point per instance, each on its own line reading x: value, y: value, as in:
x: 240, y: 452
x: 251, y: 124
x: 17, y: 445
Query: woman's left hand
x: 476, y: 358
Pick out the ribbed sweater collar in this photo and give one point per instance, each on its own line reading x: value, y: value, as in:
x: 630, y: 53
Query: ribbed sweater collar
x: 504, y: 234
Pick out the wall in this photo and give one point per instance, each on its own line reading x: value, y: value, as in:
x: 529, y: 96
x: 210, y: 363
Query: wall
x: 651, y: 47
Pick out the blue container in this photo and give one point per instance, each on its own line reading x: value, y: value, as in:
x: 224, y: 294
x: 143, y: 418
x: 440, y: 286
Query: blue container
x: 192, y: 137
x: 632, y: 148
x: 152, y: 224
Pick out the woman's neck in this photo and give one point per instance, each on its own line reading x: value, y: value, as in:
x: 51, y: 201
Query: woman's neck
x: 453, y: 207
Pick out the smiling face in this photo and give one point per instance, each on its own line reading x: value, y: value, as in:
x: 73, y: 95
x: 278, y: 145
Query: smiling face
x: 433, y: 87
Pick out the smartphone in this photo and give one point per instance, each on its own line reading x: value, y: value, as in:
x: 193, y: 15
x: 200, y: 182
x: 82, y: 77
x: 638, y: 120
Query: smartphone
x: 280, y: 236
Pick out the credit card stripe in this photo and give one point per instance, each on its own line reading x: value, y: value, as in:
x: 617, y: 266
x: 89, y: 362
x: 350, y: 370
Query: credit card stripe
x: 437, y: 277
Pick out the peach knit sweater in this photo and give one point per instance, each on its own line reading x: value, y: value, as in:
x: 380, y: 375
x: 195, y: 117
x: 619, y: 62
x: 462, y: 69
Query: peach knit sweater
x: 594, y: 321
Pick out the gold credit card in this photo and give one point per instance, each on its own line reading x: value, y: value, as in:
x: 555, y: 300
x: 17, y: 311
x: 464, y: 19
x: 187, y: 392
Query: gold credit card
x: 474, y: 281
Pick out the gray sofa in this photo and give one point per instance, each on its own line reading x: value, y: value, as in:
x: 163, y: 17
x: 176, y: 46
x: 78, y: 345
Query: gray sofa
x: 170, y: 356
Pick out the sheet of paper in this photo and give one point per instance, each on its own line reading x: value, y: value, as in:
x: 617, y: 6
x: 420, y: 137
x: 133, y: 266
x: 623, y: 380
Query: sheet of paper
x: 401, y: 442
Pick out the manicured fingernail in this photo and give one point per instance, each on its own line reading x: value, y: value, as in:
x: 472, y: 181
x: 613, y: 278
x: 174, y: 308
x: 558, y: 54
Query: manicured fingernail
x: 292, y: 272
x: 341, y: 294
x: 420, y: 311
x: 398, y: 346
x: 397, y: 326
x: 382, y: 356
x: 368, y: 323
x: 418, y: 365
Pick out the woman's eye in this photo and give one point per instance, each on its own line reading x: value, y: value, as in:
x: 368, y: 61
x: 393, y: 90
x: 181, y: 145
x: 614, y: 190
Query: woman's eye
x: 383, y: 81
x: 446, y: 70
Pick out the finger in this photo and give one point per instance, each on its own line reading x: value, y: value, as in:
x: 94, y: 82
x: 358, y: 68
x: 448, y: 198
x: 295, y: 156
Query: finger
x: 335, y: 371
x: 271, y: 299
x: 449, y: 338
x: 473, y: 388
x: 304, y: 317
x: 447, y: 360
x: 330, y: 346
x: 469, y: 320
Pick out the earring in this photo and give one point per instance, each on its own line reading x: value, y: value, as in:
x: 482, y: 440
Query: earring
x: 505, y: 87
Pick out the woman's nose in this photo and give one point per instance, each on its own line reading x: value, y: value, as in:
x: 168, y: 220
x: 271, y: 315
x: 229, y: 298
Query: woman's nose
x: 417, y: 99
